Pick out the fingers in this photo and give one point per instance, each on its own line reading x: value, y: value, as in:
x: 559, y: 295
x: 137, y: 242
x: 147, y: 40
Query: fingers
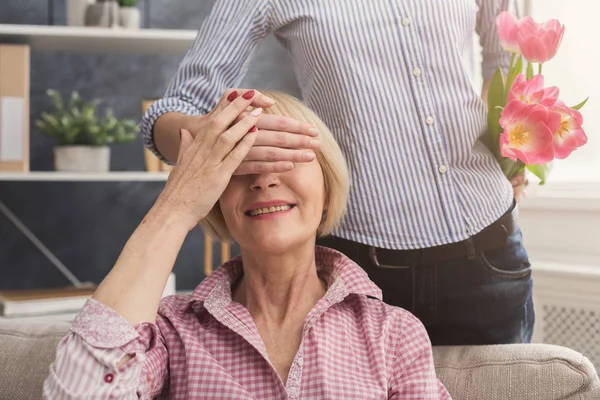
x: 518, y: 180
x: 261, y: 167
x: 270, y: 122
x: 230, y: 95
x: 274, y: 154
x: 226, y: 141
x: 185, y: 141
x: 285, y: 140
x: 239, y: 152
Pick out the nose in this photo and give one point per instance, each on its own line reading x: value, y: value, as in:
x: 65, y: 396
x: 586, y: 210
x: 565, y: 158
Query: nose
x: 264, y: 181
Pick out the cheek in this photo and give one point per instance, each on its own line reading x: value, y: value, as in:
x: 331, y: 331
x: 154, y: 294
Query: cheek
x: 228, y: 202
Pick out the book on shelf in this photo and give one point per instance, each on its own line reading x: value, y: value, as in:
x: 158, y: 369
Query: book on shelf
x: 43, y: 302
x: 14, y: 107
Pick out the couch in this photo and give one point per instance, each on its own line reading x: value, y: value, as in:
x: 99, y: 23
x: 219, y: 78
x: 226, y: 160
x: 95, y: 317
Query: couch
x: 503, y: 372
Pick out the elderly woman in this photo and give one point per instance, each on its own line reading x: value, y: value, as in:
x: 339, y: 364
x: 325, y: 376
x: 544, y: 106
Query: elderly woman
x: 286, y: 320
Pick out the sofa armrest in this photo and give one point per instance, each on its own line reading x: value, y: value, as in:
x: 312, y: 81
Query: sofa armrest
x: 516, y: 371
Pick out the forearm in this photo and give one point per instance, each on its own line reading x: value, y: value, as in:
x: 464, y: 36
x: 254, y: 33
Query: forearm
x: 166, y: 133
x: 135, y: 285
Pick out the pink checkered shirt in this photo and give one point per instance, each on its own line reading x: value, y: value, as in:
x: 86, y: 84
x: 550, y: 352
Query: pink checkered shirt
x: 205, y: 346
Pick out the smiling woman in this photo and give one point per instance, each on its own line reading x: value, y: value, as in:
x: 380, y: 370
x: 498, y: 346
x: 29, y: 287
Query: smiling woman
x: 287, y: 319
x: 330, y: 174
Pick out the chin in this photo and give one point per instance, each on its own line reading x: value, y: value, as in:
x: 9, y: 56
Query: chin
x: 276, y: 242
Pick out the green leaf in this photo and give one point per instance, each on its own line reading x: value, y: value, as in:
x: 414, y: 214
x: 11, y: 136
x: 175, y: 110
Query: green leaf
x: 496, y: 101
x: 578, y: 106
x: 529, y: 74
x: 542, y: 171
x: 512, y: 74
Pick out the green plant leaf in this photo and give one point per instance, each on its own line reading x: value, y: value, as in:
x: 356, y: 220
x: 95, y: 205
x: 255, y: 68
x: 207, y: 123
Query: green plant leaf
x: 512, y: 74
x: 578, y: 106
x: 496, y: 102
x: 542, y: 171
x: 529, y: 74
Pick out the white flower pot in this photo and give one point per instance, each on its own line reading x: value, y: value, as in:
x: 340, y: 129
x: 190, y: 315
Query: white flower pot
x: 76, y: 12
x: 104, y: 13
x: 130, y: 17
x: 82, y: 158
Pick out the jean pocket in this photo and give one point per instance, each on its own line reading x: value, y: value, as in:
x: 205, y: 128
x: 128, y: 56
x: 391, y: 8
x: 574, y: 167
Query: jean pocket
x: 509, y: 261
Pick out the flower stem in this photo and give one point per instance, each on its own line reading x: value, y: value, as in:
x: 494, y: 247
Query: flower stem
x: 512, y: 61
x: 539, y: 68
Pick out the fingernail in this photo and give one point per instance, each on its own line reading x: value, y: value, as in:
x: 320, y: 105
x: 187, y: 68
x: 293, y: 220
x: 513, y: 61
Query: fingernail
x: 249, y: 94
x: 309, y: 156
x: 256, y: 112
x: 269, y: 100
x: 253, y: 129
x: 232, y: 96
x: 313, y: 131
x: 315, y: 143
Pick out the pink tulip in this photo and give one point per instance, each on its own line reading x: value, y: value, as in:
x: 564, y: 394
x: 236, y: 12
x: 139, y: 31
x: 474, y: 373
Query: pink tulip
x: 539, y: 42
x: 508, y: 31
x: 532, y: 91
x: 528, y: 130
x: 570, y: 135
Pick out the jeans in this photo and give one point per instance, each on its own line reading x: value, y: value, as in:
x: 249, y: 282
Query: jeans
x: 485, y: 300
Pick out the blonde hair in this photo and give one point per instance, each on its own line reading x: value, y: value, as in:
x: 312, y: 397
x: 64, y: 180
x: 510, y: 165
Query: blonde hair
x: 329, y: 157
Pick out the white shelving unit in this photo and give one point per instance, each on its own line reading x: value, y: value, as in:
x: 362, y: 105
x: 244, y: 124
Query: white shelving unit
x: 70, y: 39
x: 114, y: 176
x: 76, y: 39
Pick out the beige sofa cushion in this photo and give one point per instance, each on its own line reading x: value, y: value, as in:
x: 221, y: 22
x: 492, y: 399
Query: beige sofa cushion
x: 516, y: 372
x: 26, y: 351
x: 510, y: 372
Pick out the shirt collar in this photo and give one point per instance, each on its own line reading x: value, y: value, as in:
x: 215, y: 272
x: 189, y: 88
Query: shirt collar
x: 345, y: 278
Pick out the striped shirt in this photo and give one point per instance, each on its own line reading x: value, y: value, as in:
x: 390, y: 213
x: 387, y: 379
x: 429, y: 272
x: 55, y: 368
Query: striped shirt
x: 206, y: 346
x: 391, y: 79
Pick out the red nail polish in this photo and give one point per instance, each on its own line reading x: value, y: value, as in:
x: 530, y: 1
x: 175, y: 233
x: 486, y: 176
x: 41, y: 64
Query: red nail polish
x: 253, y: 129
x: 248, y: 95
x: 232, y: 96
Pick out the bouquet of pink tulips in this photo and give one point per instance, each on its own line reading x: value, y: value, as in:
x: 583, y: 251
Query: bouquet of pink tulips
x: 528, y: 126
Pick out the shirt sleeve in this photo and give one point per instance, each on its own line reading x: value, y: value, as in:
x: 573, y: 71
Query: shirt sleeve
x: 217, y: 60
x: 412, y: 370
x: 493, y: 54
x: 86, y: 362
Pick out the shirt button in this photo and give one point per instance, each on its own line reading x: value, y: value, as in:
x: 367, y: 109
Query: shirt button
x: 443, y: 169
x: 406, y: 21
x: 108, y: 378
x: 429, y: 120
x: 416, y: 72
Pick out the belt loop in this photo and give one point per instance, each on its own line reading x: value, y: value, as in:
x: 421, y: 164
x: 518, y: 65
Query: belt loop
x: 470, y: 248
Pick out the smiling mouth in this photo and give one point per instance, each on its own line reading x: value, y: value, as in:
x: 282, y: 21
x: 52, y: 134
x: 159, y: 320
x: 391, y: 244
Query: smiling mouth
x: 269, y: 210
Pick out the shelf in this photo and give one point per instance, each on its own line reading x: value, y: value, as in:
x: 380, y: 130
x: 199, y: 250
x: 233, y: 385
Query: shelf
x: 116, y: 176
x: 98, y: 40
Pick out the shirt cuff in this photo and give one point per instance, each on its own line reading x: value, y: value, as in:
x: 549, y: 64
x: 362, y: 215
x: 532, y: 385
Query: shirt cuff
x: 158, y: 108
x: 102, y: 327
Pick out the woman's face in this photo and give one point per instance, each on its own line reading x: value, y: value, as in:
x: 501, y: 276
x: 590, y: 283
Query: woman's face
x: 275, y: 212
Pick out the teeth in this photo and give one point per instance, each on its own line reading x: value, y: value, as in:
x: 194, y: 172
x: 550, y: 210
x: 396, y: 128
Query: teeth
x: 268, y: 210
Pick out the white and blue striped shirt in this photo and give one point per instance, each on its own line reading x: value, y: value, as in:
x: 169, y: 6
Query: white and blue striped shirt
x: 391, y: 80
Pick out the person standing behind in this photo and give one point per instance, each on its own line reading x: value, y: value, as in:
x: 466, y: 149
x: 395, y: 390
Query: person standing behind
x: 431, y: 217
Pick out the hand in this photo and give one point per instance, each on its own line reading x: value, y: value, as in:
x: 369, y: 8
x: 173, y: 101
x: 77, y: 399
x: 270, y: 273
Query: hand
x: 519, y: 184
x: 281, y: 142
x: 206, y: 163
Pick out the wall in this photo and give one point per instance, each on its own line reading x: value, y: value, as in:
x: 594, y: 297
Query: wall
x: 86, y: 224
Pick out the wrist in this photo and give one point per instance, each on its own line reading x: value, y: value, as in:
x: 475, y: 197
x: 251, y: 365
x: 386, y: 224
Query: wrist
x: 165, y: 212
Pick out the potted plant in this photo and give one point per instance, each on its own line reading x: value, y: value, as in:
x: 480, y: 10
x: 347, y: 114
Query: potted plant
x: 102, y: 13
x: 129, y: 14
x: 82, y: 136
